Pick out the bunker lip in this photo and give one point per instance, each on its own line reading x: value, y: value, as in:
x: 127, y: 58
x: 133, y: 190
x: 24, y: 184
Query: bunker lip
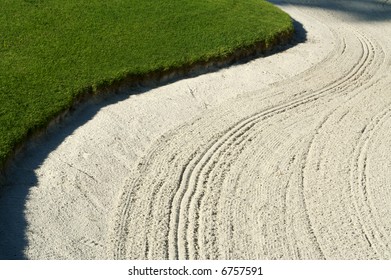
x: 284, y: 157
x: 153, y: 79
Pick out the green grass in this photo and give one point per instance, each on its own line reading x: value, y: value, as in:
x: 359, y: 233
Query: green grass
x: 52, y: 50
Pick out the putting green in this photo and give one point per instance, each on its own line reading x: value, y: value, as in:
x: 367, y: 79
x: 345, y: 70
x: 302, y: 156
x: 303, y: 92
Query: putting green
x: 52, y: 52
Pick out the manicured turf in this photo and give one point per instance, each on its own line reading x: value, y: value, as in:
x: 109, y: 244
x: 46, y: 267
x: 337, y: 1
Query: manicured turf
x: 52, y: 50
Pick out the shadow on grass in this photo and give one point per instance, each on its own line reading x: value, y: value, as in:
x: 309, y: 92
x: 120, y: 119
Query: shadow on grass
x: 361, y: 10
x: 20, y: 177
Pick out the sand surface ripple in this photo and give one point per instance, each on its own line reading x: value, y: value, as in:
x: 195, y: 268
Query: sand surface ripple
x: 283, y: 157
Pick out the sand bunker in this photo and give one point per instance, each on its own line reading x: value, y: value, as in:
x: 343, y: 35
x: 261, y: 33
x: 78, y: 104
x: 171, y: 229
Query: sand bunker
x: 284, y: 157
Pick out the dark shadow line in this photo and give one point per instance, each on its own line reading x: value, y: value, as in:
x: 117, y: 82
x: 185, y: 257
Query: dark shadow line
x: 20, y: 177
x: 361, y: 10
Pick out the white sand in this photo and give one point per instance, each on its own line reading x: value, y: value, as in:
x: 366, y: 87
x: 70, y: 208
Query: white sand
x: 284, y: 157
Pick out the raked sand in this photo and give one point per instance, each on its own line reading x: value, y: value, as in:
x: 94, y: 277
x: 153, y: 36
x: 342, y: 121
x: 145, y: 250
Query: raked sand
x: 284, y: 157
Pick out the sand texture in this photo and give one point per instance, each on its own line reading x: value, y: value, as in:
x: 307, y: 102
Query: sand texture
x: 283, y: 157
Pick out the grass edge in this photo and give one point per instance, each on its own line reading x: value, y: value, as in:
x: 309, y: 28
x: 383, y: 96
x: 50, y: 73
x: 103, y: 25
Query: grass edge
x: 155, y: 78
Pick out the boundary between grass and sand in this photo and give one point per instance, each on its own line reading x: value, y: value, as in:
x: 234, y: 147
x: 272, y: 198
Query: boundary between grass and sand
x: 152, y: 79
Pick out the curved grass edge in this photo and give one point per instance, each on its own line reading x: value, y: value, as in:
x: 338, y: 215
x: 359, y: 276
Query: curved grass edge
x: 153, y: 78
